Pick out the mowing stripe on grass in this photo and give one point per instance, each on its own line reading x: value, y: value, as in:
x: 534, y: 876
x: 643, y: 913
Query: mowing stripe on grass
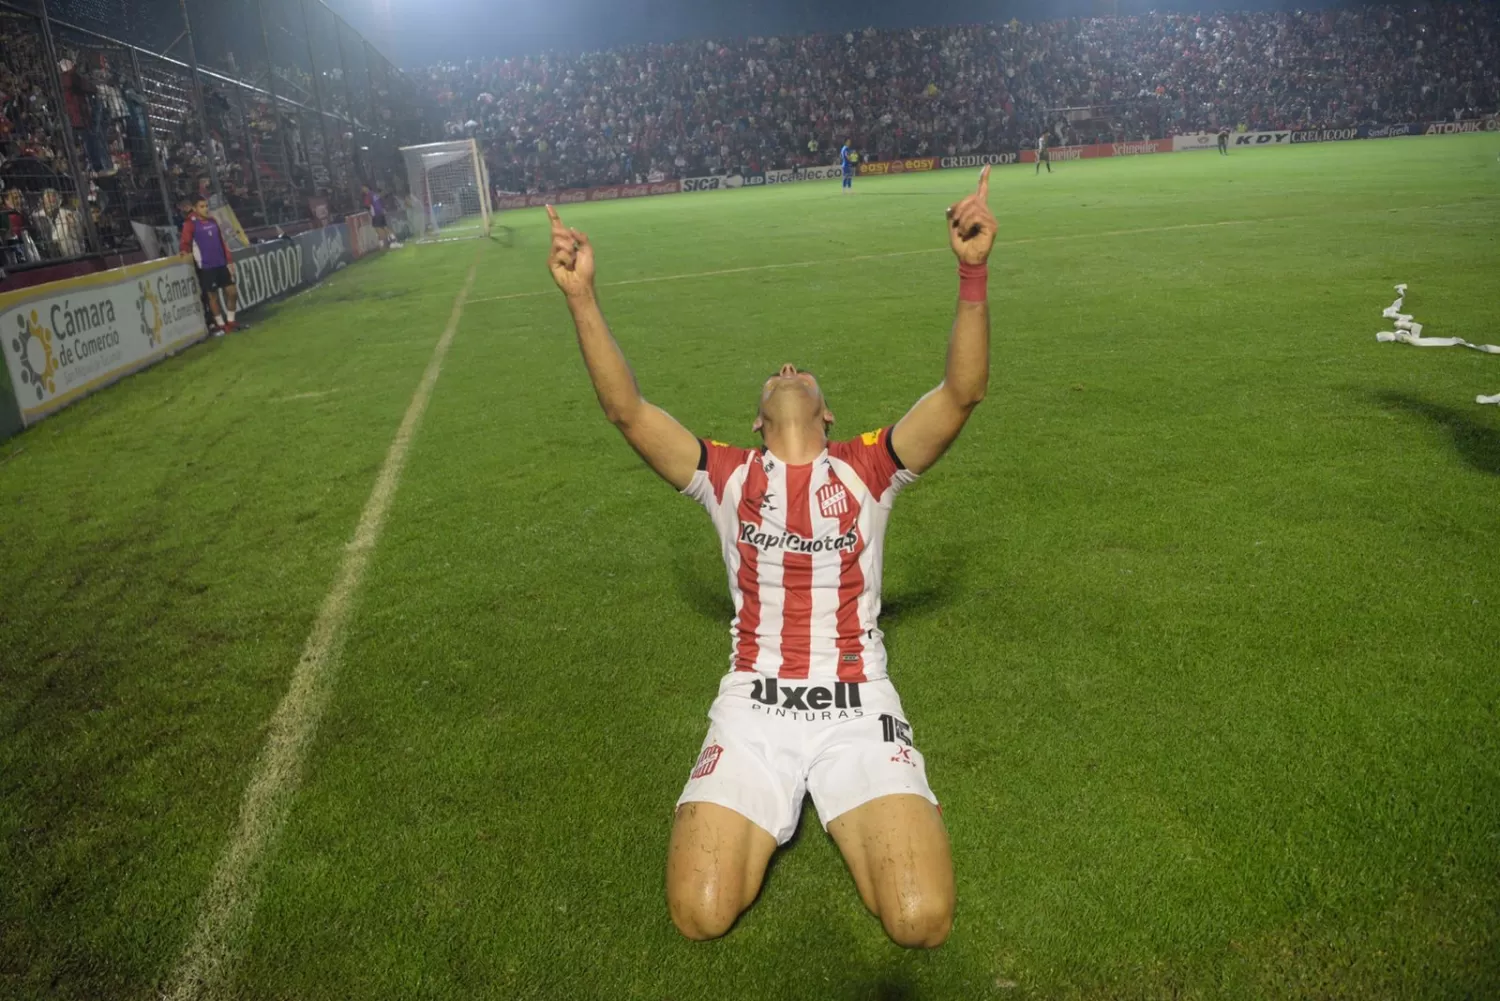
x: 303, y: 396
x: 881, y: 257
x: 229, y: 902
x: 943, y: 249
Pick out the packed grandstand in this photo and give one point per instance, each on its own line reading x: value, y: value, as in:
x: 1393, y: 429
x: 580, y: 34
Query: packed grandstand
x: 703, y: 107
x: 662, y: 112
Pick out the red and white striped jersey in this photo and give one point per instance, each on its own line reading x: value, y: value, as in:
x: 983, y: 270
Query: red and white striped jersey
x: 803, y: 547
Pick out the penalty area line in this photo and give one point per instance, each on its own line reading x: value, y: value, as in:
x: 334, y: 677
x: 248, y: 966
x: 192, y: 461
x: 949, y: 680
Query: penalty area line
x: 228, y: 904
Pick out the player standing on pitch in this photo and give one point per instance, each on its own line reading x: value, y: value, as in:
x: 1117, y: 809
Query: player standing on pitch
x: 1223, y: 142
x: 847, y: 157
x: 807, y: 705
x: 1042, y: 156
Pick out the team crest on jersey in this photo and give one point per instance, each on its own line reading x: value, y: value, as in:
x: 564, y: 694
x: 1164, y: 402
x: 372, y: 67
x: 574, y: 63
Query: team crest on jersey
x: 707, y: 761
x: 833, y: 500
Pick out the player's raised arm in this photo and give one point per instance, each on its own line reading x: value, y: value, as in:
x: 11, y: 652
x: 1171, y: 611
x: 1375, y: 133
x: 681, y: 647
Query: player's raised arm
x: 667, y: 446
x: 924, y: 434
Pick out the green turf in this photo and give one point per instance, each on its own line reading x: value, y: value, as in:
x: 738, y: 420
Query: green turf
x: 1197, y: 624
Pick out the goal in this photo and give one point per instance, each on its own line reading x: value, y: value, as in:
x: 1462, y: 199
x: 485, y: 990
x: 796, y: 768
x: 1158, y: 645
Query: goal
x: 452, y: 188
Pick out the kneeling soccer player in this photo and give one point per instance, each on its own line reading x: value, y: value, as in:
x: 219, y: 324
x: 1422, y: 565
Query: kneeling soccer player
x: 807, y: 706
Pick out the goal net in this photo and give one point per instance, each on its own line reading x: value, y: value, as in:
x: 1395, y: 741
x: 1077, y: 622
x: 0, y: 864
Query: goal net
x: 452, y: 189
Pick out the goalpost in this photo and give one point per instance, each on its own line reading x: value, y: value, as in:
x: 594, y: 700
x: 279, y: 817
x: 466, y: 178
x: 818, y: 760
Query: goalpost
x: 452, y: 188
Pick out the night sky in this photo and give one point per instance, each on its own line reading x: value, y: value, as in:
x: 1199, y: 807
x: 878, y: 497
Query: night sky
x: 420, y: 32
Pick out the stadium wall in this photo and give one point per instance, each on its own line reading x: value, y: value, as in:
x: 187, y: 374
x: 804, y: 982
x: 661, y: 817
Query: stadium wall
x: 1289, y: 137
x: 66, y: 339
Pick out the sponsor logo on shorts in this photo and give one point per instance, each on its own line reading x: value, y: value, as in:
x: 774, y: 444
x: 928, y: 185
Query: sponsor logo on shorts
x: 903, y: 757
x: 810, y: 702
x: 707, y: 761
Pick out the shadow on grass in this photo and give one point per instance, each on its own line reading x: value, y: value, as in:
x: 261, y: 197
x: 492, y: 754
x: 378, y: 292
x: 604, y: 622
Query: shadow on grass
x: 893, y: 988
x: 942, y: 572
x: 700, y: 581
x: 1476, y: 444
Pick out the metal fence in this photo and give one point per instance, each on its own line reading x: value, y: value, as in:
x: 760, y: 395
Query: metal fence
x: 118, y: 112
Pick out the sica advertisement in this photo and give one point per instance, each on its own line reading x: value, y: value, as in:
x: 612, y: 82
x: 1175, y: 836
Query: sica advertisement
x: 66, y: 339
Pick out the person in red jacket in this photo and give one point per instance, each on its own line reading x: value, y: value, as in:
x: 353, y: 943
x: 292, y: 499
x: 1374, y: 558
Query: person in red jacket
x: 202, y: 237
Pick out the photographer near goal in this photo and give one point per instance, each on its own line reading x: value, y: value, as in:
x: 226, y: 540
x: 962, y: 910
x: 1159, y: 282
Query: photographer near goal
x: 806, y: 706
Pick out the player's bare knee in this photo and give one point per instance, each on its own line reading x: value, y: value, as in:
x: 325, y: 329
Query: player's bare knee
x: 920, y: 922
x: 701, y: 911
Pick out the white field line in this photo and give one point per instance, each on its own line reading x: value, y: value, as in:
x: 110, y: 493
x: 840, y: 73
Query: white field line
x: 941, y: 249
x: 229, y: 902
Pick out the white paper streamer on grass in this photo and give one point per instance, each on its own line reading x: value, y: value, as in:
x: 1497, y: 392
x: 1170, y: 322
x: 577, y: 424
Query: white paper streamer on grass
x: 1415, y: 339
x: 1409, y: 331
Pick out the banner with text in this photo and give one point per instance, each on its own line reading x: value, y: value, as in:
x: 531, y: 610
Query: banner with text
x: 1096, y: 150
x: 909, y: 166
x: 1389, y: 131
x: 1324, y: 135
x: 324, y: 251
x: 1237, y: 140
x: 978, y: 160
x: 270, y: 270
x: 65, y: 339
x: 795, y: 174
x: 715, y: 182
x: 1488, y: 124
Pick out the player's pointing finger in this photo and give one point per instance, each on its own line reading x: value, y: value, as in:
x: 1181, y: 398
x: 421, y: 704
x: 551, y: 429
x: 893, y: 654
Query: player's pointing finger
x: 556, y: 222
x: 984, y: 182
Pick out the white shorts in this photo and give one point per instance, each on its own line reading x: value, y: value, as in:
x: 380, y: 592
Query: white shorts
x: 772, y: 740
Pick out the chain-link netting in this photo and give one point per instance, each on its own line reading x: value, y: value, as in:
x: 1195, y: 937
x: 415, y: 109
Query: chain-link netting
x: 126, y: 110
x: 47, y: 127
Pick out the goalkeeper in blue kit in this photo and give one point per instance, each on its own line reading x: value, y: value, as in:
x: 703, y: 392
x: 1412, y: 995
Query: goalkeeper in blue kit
x: 847, y: 160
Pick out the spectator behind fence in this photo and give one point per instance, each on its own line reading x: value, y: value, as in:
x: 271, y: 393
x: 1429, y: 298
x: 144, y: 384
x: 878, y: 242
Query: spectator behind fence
x: 15, y: 229
x: 80, y: 96
x: 59, y: 226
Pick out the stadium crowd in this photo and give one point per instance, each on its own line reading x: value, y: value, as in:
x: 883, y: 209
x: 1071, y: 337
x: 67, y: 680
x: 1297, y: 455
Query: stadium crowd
x: 683, y: 109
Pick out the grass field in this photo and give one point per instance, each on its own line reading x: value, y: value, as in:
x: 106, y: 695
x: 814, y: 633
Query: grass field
x: 1197, y: 624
